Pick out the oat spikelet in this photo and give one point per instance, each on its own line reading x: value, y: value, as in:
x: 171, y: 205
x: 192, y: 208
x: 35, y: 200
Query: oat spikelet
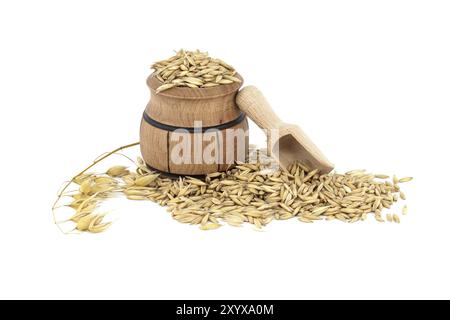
x: 145, y: 180
x: 84, y: 223
x: 405, y: 210
x: 396, y: 218
x: 117, y: 171
x: 210, y: 226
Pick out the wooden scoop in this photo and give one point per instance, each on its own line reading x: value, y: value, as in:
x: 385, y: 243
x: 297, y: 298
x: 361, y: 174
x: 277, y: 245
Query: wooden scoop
x: 291, y: 142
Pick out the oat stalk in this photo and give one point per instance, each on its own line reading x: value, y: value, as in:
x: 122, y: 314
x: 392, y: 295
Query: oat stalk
x: 95, y: 162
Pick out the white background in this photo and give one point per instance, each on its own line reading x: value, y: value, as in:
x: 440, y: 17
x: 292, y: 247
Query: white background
x: 369, y: 81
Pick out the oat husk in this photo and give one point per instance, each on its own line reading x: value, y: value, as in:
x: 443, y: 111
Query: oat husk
x: 193, y: 69
x: 255, y: 193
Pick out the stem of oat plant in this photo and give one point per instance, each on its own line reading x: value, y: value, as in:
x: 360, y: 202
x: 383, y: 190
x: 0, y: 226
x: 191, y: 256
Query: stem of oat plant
x: 96, y: 161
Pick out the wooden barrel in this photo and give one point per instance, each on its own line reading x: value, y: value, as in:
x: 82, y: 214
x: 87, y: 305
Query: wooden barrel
x: 193, y: 131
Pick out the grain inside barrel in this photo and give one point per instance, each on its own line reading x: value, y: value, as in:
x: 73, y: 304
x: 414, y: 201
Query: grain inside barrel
x: 182, y: 108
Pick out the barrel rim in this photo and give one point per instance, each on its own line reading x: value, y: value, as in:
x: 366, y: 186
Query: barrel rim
x: 190, y: 93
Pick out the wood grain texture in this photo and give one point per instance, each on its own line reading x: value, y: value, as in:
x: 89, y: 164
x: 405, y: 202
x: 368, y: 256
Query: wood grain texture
x: 293, y: 144
x: 233, y: 148
x: 154, y: 146
x: 182, y: 107
x: 192, y: 166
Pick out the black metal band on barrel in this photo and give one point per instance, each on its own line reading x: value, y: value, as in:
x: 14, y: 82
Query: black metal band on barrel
x: 168, y: 127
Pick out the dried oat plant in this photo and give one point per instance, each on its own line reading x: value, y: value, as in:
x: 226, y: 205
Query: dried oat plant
x: 91, y: 189
x: 253, y: 192
x: 193, y: 69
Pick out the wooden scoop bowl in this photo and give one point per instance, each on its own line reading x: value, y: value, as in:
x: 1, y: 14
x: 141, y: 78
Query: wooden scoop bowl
x: 291, y: 143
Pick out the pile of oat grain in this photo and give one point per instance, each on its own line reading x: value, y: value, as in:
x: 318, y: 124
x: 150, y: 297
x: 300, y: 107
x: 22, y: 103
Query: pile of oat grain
x: 193, y: 69
x: 252, y: 193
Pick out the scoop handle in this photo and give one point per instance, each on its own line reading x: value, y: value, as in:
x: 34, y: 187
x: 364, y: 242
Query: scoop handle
x: 254, y: 104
